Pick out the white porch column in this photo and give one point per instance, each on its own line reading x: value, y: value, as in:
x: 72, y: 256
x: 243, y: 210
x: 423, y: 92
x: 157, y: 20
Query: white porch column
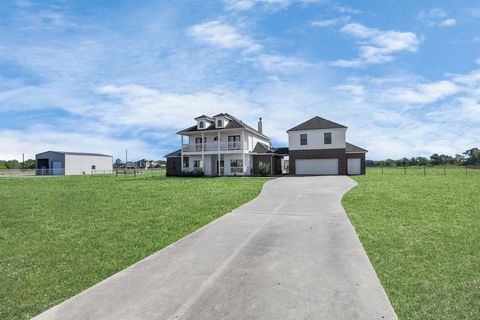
x: 181, y: 153
x: 203, y: 154
x: 218, y: 145
x: 244, y: 163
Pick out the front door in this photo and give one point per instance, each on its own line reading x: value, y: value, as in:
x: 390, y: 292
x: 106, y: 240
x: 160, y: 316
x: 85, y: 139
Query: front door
x: 220, y: 171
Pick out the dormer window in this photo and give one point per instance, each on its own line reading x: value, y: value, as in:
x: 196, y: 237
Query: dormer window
x: 201, y: 125
x: 219, y: 123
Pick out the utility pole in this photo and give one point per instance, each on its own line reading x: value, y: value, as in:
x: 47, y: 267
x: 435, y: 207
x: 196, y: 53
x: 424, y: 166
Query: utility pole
x: 126, y: 157
x: 23, y: 160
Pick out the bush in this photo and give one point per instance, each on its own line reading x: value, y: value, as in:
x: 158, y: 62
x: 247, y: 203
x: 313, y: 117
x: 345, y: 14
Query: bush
x: 192, y: 174
x: 263, y: 169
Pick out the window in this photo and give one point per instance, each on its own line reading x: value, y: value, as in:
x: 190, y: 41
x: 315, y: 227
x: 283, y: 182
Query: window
x: 94, y: 167
x: 219, y: 123
x: 233, y: 142
x: 327, y: 138
x: 196, y: 163
x: 236, y: 166
x: 303, y: 139
x: 201, y: 125
x: 185, y: 162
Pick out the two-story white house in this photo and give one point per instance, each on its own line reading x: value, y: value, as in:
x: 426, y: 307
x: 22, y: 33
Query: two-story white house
x: 222, y: 145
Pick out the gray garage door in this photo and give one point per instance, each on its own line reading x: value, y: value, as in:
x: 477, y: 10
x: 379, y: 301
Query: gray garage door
x: 316, y: 166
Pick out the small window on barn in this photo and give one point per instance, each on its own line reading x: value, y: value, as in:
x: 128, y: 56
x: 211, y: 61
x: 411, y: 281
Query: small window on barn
x: 94, y: 167
x: 219, y: 123
x: 303, y: 139
x: 327, y: 138
x: 201, y: 125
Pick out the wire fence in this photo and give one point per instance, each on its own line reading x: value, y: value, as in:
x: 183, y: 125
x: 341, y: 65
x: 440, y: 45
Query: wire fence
x: 424, y: 170
x: 78, y: 172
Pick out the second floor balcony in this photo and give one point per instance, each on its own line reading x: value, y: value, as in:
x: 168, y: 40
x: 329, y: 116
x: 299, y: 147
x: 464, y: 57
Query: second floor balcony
x: 214, y: 146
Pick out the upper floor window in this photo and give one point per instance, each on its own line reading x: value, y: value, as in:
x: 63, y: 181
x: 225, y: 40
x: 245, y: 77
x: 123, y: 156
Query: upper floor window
x: 234, y: 143
x: 303, y: 139
x: 327, y: 138
x: 219, y: 123
x: 201, y: 125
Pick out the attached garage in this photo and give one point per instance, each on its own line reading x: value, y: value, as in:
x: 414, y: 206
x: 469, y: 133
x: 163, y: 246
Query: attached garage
x: 354, y: 166
x: 316, y: 166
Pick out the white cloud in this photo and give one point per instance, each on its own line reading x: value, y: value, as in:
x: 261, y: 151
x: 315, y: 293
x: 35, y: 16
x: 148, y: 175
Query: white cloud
x: 345, y: 9
x: 244, y: 5
x: 377, y: 46
x: 477, y: 61
x: 436, y: 18
x: 282, y: 63
x: 330, y: 22
x: 423, y: 93
x: 16, y: 142
x: 448, y: 22
x: 223, y: 35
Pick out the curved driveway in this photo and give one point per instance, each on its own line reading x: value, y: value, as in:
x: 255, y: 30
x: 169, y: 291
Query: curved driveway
x: 291, y: 253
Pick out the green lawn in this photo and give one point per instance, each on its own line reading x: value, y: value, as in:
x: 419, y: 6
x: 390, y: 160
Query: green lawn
x: 422, y: 234
x: 61, y: 235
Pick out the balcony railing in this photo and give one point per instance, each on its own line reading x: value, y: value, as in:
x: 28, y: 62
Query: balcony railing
x: 197, y: 147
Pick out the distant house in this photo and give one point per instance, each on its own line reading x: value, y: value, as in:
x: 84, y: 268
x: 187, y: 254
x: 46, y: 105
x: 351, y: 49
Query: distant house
x: 72, y: 163
x: 223, y: 145
x: 318, y: 147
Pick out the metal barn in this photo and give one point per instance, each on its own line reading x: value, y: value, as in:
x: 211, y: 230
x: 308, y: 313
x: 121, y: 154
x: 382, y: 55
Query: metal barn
x: 72, y: 163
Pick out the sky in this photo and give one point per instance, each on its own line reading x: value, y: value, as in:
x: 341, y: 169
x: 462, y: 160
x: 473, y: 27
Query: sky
x: 105, y: 76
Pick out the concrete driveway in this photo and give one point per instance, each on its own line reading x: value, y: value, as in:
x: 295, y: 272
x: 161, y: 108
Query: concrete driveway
x: 291, y: 253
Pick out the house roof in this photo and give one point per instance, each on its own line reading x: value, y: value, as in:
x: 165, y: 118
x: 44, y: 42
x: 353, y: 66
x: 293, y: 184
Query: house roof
x: 351, y: 148
x: 264, y: 149
x: 176, y: 153
x: 77, y: 153
x: 282, y: 150
x: 204, y: 117
x: 234, y: 123
x: 261, y: 148
x: 226, y: 115
x: 316, y: 123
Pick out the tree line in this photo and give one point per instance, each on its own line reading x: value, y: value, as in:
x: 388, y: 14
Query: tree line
x: 470, y: 157
x: 15, y: 164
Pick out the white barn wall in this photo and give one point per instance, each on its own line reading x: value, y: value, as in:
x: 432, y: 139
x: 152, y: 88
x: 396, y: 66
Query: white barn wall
x: 79, y: 164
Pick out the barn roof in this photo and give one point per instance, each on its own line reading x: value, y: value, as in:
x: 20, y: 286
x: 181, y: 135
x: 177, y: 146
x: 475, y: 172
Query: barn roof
x: 76, y: 153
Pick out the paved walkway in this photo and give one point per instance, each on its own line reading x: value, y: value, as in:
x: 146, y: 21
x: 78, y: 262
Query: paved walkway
x: 291, y: 253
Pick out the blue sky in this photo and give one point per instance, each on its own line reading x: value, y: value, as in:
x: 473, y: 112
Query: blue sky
x: 102, y: 76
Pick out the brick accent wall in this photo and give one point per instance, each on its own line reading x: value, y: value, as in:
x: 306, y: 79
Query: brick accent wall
x: 319, y: 154
x: 362, y: 160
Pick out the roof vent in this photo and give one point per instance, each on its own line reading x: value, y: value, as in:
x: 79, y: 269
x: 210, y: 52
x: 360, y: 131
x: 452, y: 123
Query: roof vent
x: 260, y: 126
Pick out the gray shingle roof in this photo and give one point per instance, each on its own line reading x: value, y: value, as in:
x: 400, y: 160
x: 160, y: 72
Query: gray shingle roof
x: 316, y: 123
x: 78, y: 153
x: 176, y: 153
x: 234, y: 123
x: 351, y: 148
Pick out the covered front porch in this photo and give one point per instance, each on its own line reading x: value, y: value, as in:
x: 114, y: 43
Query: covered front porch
x: 234, y: 164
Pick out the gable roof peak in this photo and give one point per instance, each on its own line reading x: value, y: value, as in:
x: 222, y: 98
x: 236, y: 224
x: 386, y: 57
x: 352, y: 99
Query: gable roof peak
x: 316, y: 123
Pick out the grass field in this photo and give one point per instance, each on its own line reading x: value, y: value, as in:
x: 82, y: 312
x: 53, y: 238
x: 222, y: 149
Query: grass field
x: 61, y: 235
x: 422, y: 234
